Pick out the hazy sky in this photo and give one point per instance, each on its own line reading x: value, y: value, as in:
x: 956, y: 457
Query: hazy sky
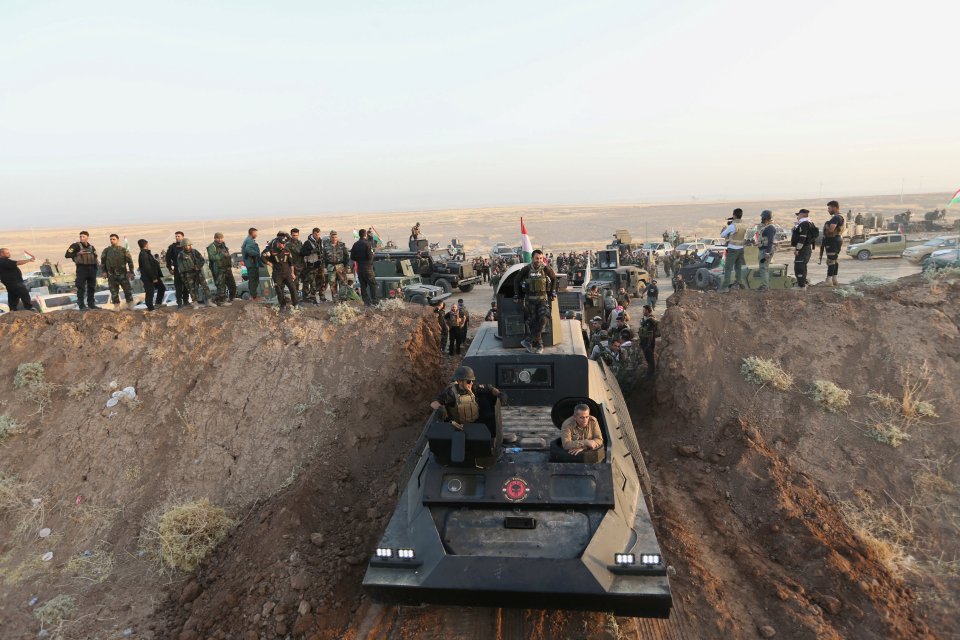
x: 144, y: 111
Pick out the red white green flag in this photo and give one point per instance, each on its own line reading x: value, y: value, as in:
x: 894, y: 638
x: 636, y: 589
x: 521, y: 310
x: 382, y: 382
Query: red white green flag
x: 955, y: 199
x: 526, y: 249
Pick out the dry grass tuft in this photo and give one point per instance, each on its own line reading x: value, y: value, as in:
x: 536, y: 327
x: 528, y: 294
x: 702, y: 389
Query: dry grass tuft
x: 8, y: 426
x: 55, y: 610
x: 92, y: 566
x: 848, y: 292
x: 886, y: 532
x: 157, y: 354
x: 22, y: 504
x: 882, y: 400
x: 888, y: 432
x: 183, y: 535
x: 32, y: 384
x: 912, y: 407
x: 392, y: 304
x: 79, y: 390
x: 894, y: 416
x: 28, y: 373
x: 830, y: 396
x: 342, y: 314
x: 870, y: 280
x: 765, y: 372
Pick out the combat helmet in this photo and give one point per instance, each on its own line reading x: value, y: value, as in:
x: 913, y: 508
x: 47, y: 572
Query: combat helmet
x: 186, y: 243
x: 464, y: 373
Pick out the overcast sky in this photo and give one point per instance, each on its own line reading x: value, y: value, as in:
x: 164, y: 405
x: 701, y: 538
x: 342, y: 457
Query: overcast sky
x: 143, y: 111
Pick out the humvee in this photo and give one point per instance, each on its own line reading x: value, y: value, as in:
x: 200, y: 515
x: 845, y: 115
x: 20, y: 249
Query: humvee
x: 707, y: 274
x: 428, y: 264
x: 481, y: 524
x: 396, y: 279
x: 610, y: 274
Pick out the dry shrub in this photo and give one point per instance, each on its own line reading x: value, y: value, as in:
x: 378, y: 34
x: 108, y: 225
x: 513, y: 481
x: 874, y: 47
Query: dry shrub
x: 882, y: 400
x: 79, y: 390
x: 829, y: 395
x: 55, y: 610
x: 342, y: 314
x: 945, y: 275
x: 183, y: 535
x: 92, y: 566
x: 8, y: 426
x: 391, y: 304
x: 889, y: 432
x: 21, y: 504
x: 765, y: 372
x: 870, y: 280
x: 886, y: 532
x: 157, y: 354
x: 848, y: 292
x: 912, y: 406
x: 28, y: 373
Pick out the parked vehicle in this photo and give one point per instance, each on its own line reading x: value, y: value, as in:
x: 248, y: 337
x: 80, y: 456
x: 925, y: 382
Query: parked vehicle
x: 943, y: 258
x: 918, y: 254
x: 51, y: 302
x: 169, y: 298
x: 658, y: 248
x: 885, y: 245
x: 691, y: 247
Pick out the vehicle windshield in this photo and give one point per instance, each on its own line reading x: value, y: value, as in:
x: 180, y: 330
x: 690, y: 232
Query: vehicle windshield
x: 935, y: 242
x: 712, y: 259
x: 652, y: 246
x: 603, y: 276
x: 686, y: 246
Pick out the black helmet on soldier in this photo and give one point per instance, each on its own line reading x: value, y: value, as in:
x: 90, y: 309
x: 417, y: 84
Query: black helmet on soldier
x: 463, y: 373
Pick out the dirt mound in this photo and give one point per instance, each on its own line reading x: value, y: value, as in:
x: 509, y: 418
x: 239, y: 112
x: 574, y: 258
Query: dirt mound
x: 782, y: 515
x: 290, y: 423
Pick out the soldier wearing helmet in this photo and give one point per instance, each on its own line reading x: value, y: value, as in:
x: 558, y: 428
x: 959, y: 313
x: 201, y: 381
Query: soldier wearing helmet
x: 284, y: 272
x: 459, y: 398
x: 190, y: 267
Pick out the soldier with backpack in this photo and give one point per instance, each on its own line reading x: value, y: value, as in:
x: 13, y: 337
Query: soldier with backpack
x: 803, y: 240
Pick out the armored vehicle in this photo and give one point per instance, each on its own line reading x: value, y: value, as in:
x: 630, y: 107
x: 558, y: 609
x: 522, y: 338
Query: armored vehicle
x: 610, y: 274
x: 395, y: 279
x: 446, y: 274
x: 707, y: 274
x: 487, y: 524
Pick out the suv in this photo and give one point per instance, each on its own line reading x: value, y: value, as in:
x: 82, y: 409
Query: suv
x: 879, y: 246
x: 48, y: 303
x: 396, y: 279
x: 918, y: 254
x: 658, y: 249
x: 691, y: 247
x: 445, y: 274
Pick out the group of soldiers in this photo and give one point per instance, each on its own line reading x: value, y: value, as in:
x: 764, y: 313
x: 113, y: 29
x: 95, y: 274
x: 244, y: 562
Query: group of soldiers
x: 622, y: 348
x: 304, y: 269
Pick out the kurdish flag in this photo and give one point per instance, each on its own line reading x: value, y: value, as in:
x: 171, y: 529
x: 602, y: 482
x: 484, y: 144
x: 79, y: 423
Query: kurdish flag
x: 955, y: 199
x: 526, y: 249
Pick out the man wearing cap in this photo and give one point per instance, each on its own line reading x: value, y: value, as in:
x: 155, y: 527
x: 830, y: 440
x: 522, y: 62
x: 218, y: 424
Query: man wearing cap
x: 833, y: 241
x: 84, y: 256
x: 221, y: 266
x: 117, y: 266
x: 190, y: 267
x: 803, y: 239
x: 734, y: 262
x: 250, y: 252
x: 491, y: 313
x: 279, y: 257
x: 653, y: 292
x: 338, y: 261
x: 314, y: 271
x: 768, y: 234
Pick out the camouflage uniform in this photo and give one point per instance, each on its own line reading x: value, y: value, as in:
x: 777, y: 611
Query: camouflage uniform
x: 190, y: 266
x: 314, y: 275
x: 277, y: 255
x: 118, y: 267
x: 337, y: 261
x: 649, y: 332
x: 221, y: 266
x: 347, y: 293
x: 537, y: 287
x: 295, y: 247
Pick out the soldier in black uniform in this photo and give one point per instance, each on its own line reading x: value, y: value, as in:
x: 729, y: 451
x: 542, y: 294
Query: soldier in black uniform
x: 536, y: 286
x: 150, y: 276
x: 833, y: 241
x: 803, y: 239
x: 459, y: 398
x: 280, y: 257
x: 362, y: 254
x: 84, y: 255
x: 314, y: 275
x: 183, y: 296
x: 653, y: 293
x: 649, y: 332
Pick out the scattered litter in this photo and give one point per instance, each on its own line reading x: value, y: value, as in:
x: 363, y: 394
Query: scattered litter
x: 112, y: 402
x: 87, y: 553
x: 130, y: 392
x: 47, y: 557
x: 44, y: 532
x: 111, y: 414
x: 128, y: 632
x: 43, y: 633
x: 79, y: 498
x: 36, y: 501
x: 34, y: 600
x: 113, y: 385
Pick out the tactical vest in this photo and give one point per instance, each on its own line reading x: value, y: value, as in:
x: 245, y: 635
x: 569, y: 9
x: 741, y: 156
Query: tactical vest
x: 763, y: 240
x: 536, y: 282
x: 465, y: 408
x: 295, y: 247
x: 189, y: 260
x: 87, y: 258
x: 337, y: 253
x: 315, y: 249
x: 220, y: 256
x: 739, y: 233
x: 115, y: 259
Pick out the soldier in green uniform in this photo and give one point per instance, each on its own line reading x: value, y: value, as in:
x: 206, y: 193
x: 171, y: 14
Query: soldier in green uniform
x: 284, y: 273
x: 117, y: 266
x: 347, y: 293
x: 295, y: 247
x: 649, y: 332
x: 190, y: 266
x: 338, y: 262
x: 459, y: 398
x: 221, y: 266
x: 536, y: 286
x: 314, y: 275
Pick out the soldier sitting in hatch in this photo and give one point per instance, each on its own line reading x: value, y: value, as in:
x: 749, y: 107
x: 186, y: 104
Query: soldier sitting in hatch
x: 580, y: 438
x: 459, y: 398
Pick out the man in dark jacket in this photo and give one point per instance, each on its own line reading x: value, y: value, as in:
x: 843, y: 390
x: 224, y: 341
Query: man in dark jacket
x: 362, y: 254
x: 803, y: 240
x: 84, y: 255
x: 150, y: 276
x: 12, y: 278
x: 183, y: 296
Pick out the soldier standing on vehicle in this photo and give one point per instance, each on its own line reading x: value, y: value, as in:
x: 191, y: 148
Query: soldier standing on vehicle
x: 459, y: 398
x: 734, y: 234
x: 833, y: 241
x: 12, y: 279
x: 296, y: 254
x: 536, y: 286
x: 803, y: 239
x: 84, y: 255
x: 117, y: 266
x: 767, y: 236
x: 338, y: 260
x: 250, y: 253
x: 362, y: 255
x: 648, y: 334
x: 190, y: 267
x: 150, y: 276
x: 314, y: 267
x: 277, y: 255
x: 653, y: 292
x: 172, y: 252
x: 221, y: 266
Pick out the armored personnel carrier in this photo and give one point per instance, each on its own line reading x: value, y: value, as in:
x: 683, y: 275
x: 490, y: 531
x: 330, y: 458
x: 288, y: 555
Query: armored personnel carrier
x: 484, y: 523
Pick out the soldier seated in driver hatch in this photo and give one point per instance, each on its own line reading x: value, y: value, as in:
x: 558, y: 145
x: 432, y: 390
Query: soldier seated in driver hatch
x: 459, y: 398
x: 580, y: 438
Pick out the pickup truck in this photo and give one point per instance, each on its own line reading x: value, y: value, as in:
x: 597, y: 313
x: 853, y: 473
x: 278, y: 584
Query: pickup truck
x: 884, y: 245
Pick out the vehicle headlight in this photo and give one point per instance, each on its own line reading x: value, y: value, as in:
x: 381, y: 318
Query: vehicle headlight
x: 624, y: 559
x: 383, y: 552
x: 405, y: 554
x: 650, y: 558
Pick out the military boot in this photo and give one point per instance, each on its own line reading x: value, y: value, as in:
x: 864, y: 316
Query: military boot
x: 195, y: 304
x: 116, y: 306
x: 131, y: 305
x: 835, y: 283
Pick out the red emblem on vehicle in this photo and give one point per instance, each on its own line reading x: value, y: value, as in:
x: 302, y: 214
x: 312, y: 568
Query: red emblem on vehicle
x: 515, y: 489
